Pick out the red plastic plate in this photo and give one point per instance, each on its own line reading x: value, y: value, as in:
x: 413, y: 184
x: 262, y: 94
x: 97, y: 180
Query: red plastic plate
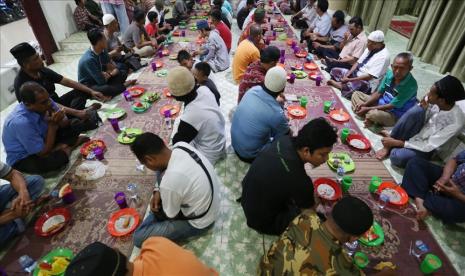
x: 358, y: 142
x: 45, y: 224
x: 398, y: 196
x: 136, y: 91
x: 310, y: 66
x: 296, y: 111
x: 327, y: 189
x: 339, y: 116
x: 115, y: 226
x: 174, y: 109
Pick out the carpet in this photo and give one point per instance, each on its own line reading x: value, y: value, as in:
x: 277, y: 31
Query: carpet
x: 404, y: 28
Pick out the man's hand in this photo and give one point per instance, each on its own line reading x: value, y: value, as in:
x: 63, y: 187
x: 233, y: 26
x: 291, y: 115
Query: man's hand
x: 21, y: 201
x: 362, y: 110
x: 345, y: 79
x: 21, y: 212
x: 449, y: 188
x: 57, y: 117
x: 106, y: 75
x: 99, y: 96
x: 346, y: 35
x: 316, y: 44
x: 155, y: 204
x: 166, y: 11
x: 389, y: 142
x: 424, y: 102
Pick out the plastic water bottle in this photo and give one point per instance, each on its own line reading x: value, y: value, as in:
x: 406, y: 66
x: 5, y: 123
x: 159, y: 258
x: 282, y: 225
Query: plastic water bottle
x: 27, y: 263
x: 420, y: 248
x: 340, y: 173
x: 133, y: 195
x: 383, y: 200
x: 351, y: 247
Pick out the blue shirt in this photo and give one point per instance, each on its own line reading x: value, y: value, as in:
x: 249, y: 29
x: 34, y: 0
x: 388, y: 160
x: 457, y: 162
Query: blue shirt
x: 24, y: 133
x: 91, y: 66
x: 228, y: 6
x: 258, y: 120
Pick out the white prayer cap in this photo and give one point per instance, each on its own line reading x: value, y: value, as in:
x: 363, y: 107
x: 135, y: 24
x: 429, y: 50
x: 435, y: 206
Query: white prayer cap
x: 107, y: 19
x: 376, y: 36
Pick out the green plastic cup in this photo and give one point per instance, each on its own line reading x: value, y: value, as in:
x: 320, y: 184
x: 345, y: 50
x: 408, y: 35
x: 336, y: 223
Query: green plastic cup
x: 361, y: 259
x: 374, y: 184
x: 346, y: 183
x: 327, y: 106
x: 430, y: 264
x: 303, y: 101
x: 344, y: 133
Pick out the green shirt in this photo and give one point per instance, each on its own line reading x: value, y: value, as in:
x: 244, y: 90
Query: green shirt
x: 307, y: 248
x: 406, y: 90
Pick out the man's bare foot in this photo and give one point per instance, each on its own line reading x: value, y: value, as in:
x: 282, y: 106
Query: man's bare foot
x: 382, y: 153
x: 384, y: 133
x: 130, y: 82
x: 422, y: 212
x: 334, y: 83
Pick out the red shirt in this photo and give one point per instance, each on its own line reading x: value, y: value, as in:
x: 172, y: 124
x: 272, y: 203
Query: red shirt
x: 225, y: 34
x: 151, y: 29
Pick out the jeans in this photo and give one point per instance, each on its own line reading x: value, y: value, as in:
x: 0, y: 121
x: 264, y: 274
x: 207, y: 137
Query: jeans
x: 35, y: 185
x: 120, y: 12
x: 175, y: 230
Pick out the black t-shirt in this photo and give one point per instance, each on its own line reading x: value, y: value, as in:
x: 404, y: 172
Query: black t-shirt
x: 275, y: 186
x: 241, y: 16
x: 47, y: 79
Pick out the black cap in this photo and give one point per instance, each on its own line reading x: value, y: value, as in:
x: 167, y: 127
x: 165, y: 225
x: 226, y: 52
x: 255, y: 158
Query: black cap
x: 22, y: 51
x: 352, y: 215
x: 97, y: 259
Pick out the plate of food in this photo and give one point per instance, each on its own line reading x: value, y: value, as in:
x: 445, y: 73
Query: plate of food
x: 339, y: 115
x: 374, y: 236
x: 166, y: 92
x: 193, y: 28
x: 312, y: 76
x: 137, y: 91
x: 91, y: 145
x: 296, y: 111
x: 165, y: 52
x: 150, y: 97
x: 336, y: 159
x: 297, y: 67
x: 54, y: 263
x: 301, y: 54
x: 279, y: 29
x: 140, y: 107
x: 115, y: 113
x: 173, y: 107
x: 176, y: 33
x: 359, y: 142
x: 300, y: 74
x: 289, y: 41
x: 311, y: 66
x: 123, y: 222
x: 52, y: 222
x: 128, y: 135
x: 162, y: 73
x: 397, y: 195
x: 173, y: 57
x: 282, y: 36
x: 327, y: 189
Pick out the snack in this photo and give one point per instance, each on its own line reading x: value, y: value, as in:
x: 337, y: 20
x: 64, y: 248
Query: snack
x: 91, y: 145
x: 300, y: 74
x: 66, y: 189
x: 326, y: 191
x: 173, y: 56
x: 370, y: 235
x: 296, y: 112
x: 394, y: 196
x: 151, y: 97
x: 53, y: 224
x: 383, y: 265
x: 58, y: 266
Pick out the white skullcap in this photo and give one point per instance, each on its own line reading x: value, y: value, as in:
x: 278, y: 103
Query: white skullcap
x: 376, y: 36
x: 275, y: 79
x: 107, y: 19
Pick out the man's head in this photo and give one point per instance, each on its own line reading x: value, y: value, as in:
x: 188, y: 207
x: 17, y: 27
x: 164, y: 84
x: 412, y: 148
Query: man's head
x: 215, y: 16
x: 80, y: 3
x: 203, y: 28
x: 338, y: 19
x: 98, y: 259
x: 402, y: 65
x: 97, y: 39
x: 180, y: 82
x: 446, y: 91
x: 269, y: 57
x: 250, y: 4
x: 218, y: 3
x: 201, y: 71
x: 321, y: 7
x: 139, y: 17
x: 110, y: 23
x: 375, y: 40
x: 27, y: 57
x: 260, y: 4
x: 315, y: 141
x: 35, y: 97
x: 350, y: 218
x: 255, y: 33
x: 311, y: 2
x: 159, y: 4
x: 259, y: 15
x: 151, y: 151
x: 355, y: 26
x: 153, y: 17
x: 185, y: 59
x: 275, y: 80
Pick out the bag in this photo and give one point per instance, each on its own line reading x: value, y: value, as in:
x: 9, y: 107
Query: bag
x: 132, y: 61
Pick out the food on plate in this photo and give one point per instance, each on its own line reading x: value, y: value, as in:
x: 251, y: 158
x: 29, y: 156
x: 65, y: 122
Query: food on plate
x: 173, y: 56
x: 296, y: 112
x: 139, y: 104
x: 58, y: 266
x: 91, y: 145
x: 53, y: 224
x: 326, y: 191
x: 370, y: 235
x: 393, y: 195
x: 66, y: 189
x: 299, y: 74
x: 357, y: 143
x: 382, y: 265
x: 152, y: 97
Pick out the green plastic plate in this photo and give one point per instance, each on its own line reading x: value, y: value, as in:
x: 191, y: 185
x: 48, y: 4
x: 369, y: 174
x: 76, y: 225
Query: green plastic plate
x: 378, y: 231
x: 59, y: 252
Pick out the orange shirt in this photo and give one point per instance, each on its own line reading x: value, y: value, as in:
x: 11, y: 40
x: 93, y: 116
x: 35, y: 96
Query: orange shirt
x: 160, y: 256
x: 246, y: 53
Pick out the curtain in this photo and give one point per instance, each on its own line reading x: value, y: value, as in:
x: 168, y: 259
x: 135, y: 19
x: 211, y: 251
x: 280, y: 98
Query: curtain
x: 376, y: 14
x: 439, y: 36
x: 410, y: 7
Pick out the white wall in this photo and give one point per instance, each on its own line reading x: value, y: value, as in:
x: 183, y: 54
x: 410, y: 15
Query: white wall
x: 59, y: 15
x: 12, y: 34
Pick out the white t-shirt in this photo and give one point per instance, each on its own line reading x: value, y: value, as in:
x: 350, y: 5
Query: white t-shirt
x: 322, y: 24
x: 309, y: 13
x: 185, y: 187
x: 205, y: 116
x: 376, y: 66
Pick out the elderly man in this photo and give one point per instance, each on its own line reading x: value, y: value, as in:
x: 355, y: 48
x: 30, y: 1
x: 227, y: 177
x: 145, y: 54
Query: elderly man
x: 247, y: 52
x: 202, y: 123
x: 353, y: 45
x: 259, y: 118
x: 135, y: 37
x: 335, y: 37
x: 83, y: 18
x: 214, y: 52
x: 259, y: 19
x: 255, y: 72
x: 321, y: 25
x: 365, y: 74
x: 306, y: 16
x: 396, y: 94
x: 118, y: 9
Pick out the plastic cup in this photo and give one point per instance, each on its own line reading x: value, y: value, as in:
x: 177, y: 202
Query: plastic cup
x: 344, y: 133
x: 120, y: 199
x: 294, y: 44
x: 296, y: 49
x: 292, y: 78
x: 318, y: 80
x: 430, y: 264
x: 115, y: 124
x: 327, y: 106
x: 282, y: 52
x: 374, y: 184
x: 346, y: 183
x: 154, y: 66
x: 361, y: 260
x: 183, y: 33
x: 69, y: 198
x: 160, y: 54
x: 303, y: 101
x: 98, y: 151
x: 267, y: 41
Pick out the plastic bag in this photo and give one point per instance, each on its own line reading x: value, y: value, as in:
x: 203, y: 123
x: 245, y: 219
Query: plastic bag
x: 91, y: 170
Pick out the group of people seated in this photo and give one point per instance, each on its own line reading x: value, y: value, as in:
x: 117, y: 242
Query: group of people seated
x: 44, y: 128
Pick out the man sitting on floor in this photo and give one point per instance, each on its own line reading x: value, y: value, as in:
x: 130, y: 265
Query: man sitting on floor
x: 36, y: 134
x: 311, y: 246
x: 158, y: 256
x: 260, y: 4
x: 396, y: 94
x: 33, y: 69
x: 244, y: 12
x: 16, y: 200
x: 247, y: 52
x: 306, y: 16
x: 153, y: 30
x: 258, y: 19
x: 202, y: 123
x: 214, y: 51
x: 83, y: 18
x: 335, y: 37
x: 255, y: 72
x: 201, y: 71
x: 226, y: 17
x: 428, y: 126
x: 96, y: 69
x: 185, y: 203
x: 185, y: 59
x: 135, y: 37
x: 352, y: 46
x: 259, y: 118
x: 223, y: 30
x: 276, y: 188
x: 321, y: 25
x: 364, y: 74
x: 180, y: 13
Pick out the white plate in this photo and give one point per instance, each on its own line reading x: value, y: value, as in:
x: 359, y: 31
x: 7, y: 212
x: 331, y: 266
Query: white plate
x: 326, y: 191
x: 357, y: 143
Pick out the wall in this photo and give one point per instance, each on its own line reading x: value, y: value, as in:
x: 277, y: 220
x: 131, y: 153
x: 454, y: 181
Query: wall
x: 59, y: 15
x: 12, y: 34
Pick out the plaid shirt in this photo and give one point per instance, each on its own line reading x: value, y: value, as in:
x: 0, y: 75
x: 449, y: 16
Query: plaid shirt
x: 254, y: 75
x: 81, y: 16
x: 114, y: 2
